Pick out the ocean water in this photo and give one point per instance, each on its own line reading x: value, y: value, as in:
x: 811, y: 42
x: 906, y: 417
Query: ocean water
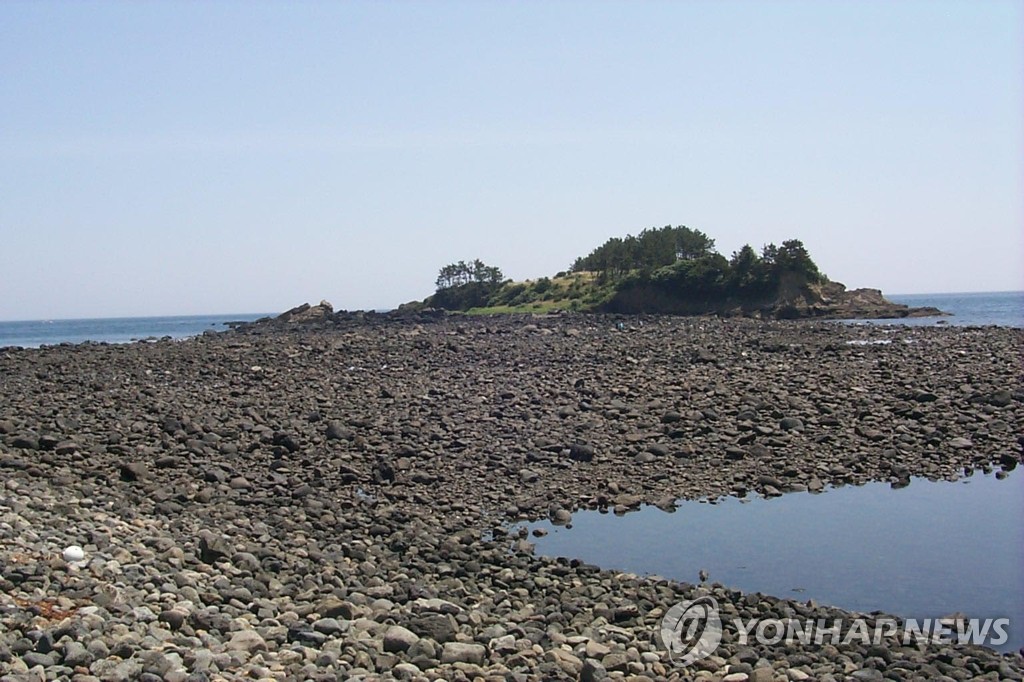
x: 1004, y: 308
x: 35, y: 333
x: 924, y: 551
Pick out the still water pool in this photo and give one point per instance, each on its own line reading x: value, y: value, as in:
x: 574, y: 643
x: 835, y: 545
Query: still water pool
x: 923, y: 551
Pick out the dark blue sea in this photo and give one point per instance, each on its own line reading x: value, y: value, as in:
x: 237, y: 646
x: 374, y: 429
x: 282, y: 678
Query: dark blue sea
x: 1004, y: 308
x: 35, y: 333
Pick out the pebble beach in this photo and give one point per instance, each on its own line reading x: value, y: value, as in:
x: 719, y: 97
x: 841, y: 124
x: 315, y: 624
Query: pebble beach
x: 340, y: 499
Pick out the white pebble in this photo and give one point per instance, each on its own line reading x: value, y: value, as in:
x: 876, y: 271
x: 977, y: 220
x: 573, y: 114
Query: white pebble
x: 73, y: 553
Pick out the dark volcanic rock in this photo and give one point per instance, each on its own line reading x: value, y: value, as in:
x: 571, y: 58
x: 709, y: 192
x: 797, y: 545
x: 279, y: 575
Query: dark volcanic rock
x: 435, y: 626
x: 213, y: 547
x: 791, y: 424
x: 338, y: 431
x: 581, y: 452
x: 27, y: 442
x: 133, y: 471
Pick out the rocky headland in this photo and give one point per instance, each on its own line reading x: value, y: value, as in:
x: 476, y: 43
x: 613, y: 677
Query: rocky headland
x: 333, y: 495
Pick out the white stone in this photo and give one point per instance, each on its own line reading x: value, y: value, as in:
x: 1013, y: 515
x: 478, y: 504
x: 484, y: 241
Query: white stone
x: 73, y: 553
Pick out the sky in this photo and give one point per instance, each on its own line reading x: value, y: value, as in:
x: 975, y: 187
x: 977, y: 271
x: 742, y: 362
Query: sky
x: 161, y: 158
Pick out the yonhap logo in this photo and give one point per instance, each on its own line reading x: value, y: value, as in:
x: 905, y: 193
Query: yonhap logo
x: 692, y: 629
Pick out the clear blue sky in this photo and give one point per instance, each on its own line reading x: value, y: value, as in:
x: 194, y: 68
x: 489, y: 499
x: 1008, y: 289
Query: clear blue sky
x: 186, y: 157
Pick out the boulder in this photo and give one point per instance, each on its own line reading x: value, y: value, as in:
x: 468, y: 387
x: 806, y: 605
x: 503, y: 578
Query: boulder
x: 462, y: 652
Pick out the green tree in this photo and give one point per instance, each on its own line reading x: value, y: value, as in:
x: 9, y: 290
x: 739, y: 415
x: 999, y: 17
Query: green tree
x: 793, y: 257
x: 692, y: 244
x: 744, y: 266
x: 462, y: 285
x: 653, y: 248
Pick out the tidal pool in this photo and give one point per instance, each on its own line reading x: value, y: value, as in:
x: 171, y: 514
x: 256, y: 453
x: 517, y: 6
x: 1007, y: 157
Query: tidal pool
x: 924, y: 551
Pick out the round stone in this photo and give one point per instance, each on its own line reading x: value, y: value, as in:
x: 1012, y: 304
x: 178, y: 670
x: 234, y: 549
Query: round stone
x: 73, y: 553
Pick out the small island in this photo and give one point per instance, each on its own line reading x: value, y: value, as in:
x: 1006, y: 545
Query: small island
x: 668, y: 270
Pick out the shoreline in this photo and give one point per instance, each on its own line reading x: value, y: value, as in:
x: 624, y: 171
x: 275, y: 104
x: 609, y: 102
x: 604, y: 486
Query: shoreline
x: 324, y: 318
x: 364, y: 475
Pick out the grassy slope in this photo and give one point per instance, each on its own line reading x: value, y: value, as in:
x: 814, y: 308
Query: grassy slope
x: 574, y: 291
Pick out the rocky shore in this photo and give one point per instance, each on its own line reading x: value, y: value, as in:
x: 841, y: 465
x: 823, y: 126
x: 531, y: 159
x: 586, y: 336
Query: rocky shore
x: 333, y: 497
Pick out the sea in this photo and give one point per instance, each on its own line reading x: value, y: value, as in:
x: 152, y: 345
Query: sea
x: 1005, y: 309
x: 1001, y: 308
x: 36, y: 333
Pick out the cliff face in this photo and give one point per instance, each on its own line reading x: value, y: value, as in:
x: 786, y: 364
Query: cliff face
x: 795, y: 299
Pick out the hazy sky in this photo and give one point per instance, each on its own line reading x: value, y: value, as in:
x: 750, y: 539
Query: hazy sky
x: 185, y: 157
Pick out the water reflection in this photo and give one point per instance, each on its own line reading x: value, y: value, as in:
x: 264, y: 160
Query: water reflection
x: 925, y: 550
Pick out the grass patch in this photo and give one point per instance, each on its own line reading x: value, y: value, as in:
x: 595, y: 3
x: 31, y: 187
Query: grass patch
x: 538, y: 307
x: 578, y: 291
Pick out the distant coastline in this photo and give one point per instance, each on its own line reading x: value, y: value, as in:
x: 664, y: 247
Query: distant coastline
x: 1001, y: 308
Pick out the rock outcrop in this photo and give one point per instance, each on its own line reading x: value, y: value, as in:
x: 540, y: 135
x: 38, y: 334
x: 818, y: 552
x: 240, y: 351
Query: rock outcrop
x: 307, y: 313
x: 833, y: 300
